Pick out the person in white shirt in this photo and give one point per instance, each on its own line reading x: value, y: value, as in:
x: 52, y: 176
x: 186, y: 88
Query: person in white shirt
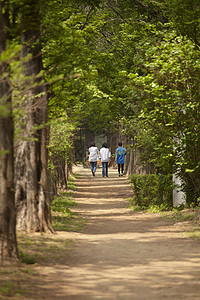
x: 105, y: 157
x: 93, y: 157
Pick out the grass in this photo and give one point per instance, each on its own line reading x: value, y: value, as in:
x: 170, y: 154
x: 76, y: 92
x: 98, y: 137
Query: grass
x: 186, y: 216
x: 39, y: 249
x: 62, y: 217
x: 195, y: 233
x: 70, y: 183
x: 13, y: 282
x: 180, y: 216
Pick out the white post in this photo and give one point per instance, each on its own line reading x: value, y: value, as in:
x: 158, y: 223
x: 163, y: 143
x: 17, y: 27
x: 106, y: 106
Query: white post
x: 179, y: 197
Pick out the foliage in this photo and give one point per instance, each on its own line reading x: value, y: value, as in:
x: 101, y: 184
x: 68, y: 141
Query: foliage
x: 61, y: 132
x: 126, y: 64
x: 152, y: 190
x: 79, y: 62
x: 185, y: 17
x: 60, y: 146
x: 166, y: 107
x: 133, y: 64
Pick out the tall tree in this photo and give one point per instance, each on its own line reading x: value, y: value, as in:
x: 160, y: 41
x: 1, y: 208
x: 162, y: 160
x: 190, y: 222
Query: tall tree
x: 8, y: 244
x: 31, y: 175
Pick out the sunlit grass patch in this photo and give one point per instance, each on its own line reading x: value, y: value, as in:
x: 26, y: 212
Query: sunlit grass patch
x: 71, y: 186
x: 75, y: 175
x: 67, y: 222
x: 62, y: 203
x: 62, y: 216
x: 70, y: 183
x: 177, y: 215
x: 187, y: 217
x: 195, y: 233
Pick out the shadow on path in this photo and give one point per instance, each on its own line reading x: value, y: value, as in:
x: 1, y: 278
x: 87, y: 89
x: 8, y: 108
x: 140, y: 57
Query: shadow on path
x: 123, y: 254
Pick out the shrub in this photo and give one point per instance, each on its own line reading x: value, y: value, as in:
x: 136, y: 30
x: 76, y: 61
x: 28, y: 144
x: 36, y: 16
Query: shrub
x: 152, y: 190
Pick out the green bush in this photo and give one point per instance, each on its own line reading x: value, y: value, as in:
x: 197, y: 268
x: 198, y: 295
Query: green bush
x: 152, y: 190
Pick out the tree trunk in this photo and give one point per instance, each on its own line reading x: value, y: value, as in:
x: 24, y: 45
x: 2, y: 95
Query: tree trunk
x: 31, y: 175
x: 8, y: 243
x: 130, y: 158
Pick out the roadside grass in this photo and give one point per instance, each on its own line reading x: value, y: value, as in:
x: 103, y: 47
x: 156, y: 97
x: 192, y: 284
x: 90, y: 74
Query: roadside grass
x: 41, y: 249
x: 70, y: 182
x: 175, y: 215
x: 189, y: 217
x: 16, y: 281
x: 63, y: 218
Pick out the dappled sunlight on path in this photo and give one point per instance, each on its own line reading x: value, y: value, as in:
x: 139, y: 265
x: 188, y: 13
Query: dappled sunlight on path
x: 122, y: 254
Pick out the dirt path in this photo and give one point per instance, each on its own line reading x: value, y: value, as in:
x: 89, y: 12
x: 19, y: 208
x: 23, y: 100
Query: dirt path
x: 122, y: 254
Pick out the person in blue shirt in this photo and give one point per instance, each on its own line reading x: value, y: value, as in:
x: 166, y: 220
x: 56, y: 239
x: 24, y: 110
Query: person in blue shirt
x: 120, y: 158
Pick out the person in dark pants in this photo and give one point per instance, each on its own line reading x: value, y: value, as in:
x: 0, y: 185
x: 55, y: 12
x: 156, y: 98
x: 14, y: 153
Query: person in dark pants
x: 120, y: 158
x: 104, y: 154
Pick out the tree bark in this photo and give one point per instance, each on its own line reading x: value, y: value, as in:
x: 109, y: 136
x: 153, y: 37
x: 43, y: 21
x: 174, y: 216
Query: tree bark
x: 130, y: 158
x: 31, y: 175
x: 8, y: 243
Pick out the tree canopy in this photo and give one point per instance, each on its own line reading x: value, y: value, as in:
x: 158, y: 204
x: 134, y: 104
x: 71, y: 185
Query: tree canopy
x: 133, y: 64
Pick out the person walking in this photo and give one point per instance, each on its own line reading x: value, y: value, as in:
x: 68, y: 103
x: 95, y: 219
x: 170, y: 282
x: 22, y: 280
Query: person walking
x: 93, y: 157
x: 120, y: 158
x: 104, y: 155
